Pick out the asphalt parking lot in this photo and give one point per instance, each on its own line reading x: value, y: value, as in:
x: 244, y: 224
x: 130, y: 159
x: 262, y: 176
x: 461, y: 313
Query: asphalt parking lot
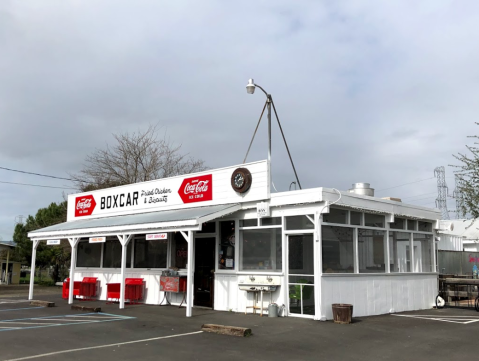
x: 164, y: 333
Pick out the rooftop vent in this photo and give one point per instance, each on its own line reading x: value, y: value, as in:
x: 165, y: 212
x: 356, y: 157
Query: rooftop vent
x: 363, y: 189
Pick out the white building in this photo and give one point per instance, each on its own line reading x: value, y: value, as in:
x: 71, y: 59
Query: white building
x: 225, y: 228
x: 459, y: 235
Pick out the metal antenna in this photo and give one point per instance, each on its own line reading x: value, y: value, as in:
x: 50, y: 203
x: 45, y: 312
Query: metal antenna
x: 441, y: 200
x: 457, y: 194
x: 19, y: 219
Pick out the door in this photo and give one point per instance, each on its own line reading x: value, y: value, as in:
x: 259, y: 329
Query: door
x: 204, y: 271
x: 301, y: 274
x: 404, y: 257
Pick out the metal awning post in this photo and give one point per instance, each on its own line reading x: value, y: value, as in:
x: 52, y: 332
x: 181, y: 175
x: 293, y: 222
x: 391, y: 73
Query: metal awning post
x: 124, y: 240
x: 190, y: 274
x: 74, y: 245
x: 32, y: 267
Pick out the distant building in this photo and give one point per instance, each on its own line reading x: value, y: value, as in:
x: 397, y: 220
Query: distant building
x: 13, y: 274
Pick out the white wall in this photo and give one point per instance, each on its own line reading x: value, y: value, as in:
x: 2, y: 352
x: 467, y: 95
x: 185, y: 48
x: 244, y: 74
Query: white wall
x: 449, y: 243
x: 228, y: 297
x: 152, y: 278
x: 378, y: 294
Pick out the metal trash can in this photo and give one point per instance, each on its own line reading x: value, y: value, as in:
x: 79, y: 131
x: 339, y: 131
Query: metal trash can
x: 272, y: 310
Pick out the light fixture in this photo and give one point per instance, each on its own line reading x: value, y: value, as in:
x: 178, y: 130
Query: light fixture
x: 250, y: 87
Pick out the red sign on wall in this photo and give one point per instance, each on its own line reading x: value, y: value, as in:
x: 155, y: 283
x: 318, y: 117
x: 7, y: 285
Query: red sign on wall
x: 196, y: 189
x: 84, y: 205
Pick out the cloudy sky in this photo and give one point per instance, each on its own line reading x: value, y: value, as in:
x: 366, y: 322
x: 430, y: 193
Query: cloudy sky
x: 367, y: 91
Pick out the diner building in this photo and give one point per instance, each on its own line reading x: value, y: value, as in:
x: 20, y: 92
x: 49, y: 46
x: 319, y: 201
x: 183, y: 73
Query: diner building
x: 240, y: 245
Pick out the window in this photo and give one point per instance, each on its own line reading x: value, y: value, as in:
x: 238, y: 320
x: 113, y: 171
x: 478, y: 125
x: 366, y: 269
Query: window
x: 226, y: 257
x: 150, y: 253
x: 112, y: 253
x: 371, y: 251
x: 423, y: 244
x: 271, y: 221
x: 356, y: 218
x: 336, y: 215
x: 398, y: 223
x: 208, y: 227
x: 88, y: 254
x: 261, y: 249
x: 179, y: 251
x: 373, y: 220
x: 399, y: 251
x: 411, y: 225
x: 424, y: 226
x: 299, y: 222
x: 249, y: 222
x: 337, y: 249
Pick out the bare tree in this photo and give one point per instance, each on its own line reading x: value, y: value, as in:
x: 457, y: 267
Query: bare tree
x: 136, y: 157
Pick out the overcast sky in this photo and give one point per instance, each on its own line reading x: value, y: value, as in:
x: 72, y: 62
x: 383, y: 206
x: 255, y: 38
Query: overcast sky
x: 367, y: 91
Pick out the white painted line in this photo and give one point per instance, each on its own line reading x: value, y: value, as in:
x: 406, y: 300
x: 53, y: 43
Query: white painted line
x: 26, y: 323
x: 10, y: 327
x: 443, y: 319
x: 436, y: 316
x: 65, y: 319
x: 103, y: 346
x: 109, y: 317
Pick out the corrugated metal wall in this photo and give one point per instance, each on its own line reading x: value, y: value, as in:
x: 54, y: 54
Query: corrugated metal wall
x: 457, y: 263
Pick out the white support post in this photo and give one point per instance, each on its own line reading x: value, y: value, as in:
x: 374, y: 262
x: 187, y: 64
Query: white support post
x: 124, y: 240
x: 318, y: 265
x: 73, y: 263
x: 32, y: 267
x: 412, y: 260
x: 190, y: 278
x: 356, y: 249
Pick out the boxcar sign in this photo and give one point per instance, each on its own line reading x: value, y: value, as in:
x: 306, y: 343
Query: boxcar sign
x: 156, y: 236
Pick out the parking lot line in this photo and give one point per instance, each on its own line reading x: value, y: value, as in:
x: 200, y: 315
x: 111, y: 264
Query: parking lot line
x: 464, y: 320
x: 37, y: 322
x: 103, y: 346
x: 25, y: 308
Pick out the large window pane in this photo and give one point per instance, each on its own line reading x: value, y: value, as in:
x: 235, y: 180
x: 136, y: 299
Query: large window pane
x: 299, y: 222
x: 399, y: 252
x: 423, y: 249
x: 398, y: 223
x: 261, y: 249
x: 150, y: 253
x: 373, y: 220
x: 179, y: 251
x: 424, y: 226
x: 336, y: 215
x: 355, y: 218
x: 112, y: 253
x: 226, y: 259
x: 88, y: 254
x: 371, y: 251
x: 337, y: 249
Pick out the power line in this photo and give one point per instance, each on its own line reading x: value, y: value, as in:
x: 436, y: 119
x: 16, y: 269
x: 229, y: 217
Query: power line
x: 404, y: 184
x: 38, y: 174
x: 35, y: 185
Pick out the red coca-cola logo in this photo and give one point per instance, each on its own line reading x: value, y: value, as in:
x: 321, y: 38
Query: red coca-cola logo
x: 84, y: 205
x: 196, y: 189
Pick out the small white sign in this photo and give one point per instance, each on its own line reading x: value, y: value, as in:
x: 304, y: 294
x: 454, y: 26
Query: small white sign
x: 53, y: 242
x: 229, y: 263
x: 157, y: 236
x: 262, y: 209
x: 97, y: 240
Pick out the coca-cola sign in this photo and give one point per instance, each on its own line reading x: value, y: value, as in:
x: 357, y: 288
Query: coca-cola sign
x: 84, y: 205
x: 196, y: 189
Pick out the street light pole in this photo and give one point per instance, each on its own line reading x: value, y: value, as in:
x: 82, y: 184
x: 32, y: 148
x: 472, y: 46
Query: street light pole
x: 250, y: 89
